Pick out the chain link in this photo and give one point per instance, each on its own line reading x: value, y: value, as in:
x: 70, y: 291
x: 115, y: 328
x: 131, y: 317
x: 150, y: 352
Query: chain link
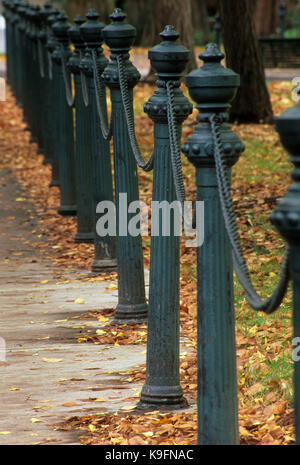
x: 272, y: 303
x: 101, y: 99
x: 50, y: 68
x: 175, y: 145
x: 128, y: 110
x: 67, y: 77
x: 84, y: 89
x: 41, y: 60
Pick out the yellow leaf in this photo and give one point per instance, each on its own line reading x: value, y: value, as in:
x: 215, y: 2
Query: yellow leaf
x: 112, y: 286
x: 5, y: 432
x: 129, y: 407
x: 100, y: 399
x: 20, y: 199
x: 148, y: 434
x: 52, y: 360
x: 15, y: 389
x: 35, y: 420
x: 69, y: 404
x: 81, y: 339
x: 45, y: 281
x: 102, y: 318
x: 92, y: 428
x: 79, y: 301
x: 116, y: 441
x: 253, y: 330
x: 100, y: 332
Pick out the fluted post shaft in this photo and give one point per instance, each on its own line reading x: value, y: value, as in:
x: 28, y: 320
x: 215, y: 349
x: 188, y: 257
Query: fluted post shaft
x: 131, y: 289
x: 162, y: 387
x: 102, y: 185
x: 286, y: 218
x: 212, y: 87
x: 85, y: 218
x: 64, y: 124
x: 53, y: 77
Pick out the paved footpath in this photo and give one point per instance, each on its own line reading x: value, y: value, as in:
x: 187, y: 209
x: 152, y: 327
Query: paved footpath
x: 47, y: 375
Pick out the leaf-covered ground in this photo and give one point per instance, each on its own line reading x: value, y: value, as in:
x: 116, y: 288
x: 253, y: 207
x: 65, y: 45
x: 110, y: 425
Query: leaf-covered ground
x: 263, y: 342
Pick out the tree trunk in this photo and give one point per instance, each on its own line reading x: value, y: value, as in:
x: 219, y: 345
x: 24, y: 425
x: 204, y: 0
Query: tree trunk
x: 140, y: 14
x: 252, y: 103
x: 103, y: 7
x: 200, y: 18
x: 266, y: 17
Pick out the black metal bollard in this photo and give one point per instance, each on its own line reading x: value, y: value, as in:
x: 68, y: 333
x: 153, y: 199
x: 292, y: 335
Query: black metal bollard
x: 92, y: 65
x: 162, y: 387
x: 6, y: 15
x: 37, y: 79
x: 14, y: 50
x: 132, y: 304
x: 44, y: 82
x: 64, y: 145
x: 22, y: 51
x: 18, y: 53
x: 30, y: 93
x: 212, y: 87
x: 85, y: 214
x: 51, y: 99
x: 286, y: 218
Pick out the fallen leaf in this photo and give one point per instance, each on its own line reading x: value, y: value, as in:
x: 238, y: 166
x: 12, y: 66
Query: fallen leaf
x: 52, y: 360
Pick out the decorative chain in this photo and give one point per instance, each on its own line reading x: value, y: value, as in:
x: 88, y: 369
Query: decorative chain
x: 101, y: 99
x: 175, y: 158
x: 242, y: 272
x: 67, y: 78
x: 41, y: 60
x: 50, y: 69
x: 128, y: 110
x: 84, y: 89
x: 175, y: 145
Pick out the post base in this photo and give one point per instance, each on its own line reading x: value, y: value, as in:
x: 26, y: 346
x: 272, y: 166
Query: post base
x: 103, y: 265
x: 162, y: 397
x: 32, y: 139
x: 128, y: 313
x: 40, y: 151
x: 54, y: 182
x: 67, y: 210
x: 87, y: 238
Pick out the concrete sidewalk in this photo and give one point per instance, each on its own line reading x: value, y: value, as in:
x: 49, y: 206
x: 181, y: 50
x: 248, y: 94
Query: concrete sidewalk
x: 47, y: 375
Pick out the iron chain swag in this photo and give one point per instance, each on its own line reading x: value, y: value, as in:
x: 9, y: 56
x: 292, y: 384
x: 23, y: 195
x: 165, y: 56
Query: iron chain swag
x: 146, y: 166
x: 66, y: 75
x: 100, y: 99
x: 40, y: 57
x: 241, y: 269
